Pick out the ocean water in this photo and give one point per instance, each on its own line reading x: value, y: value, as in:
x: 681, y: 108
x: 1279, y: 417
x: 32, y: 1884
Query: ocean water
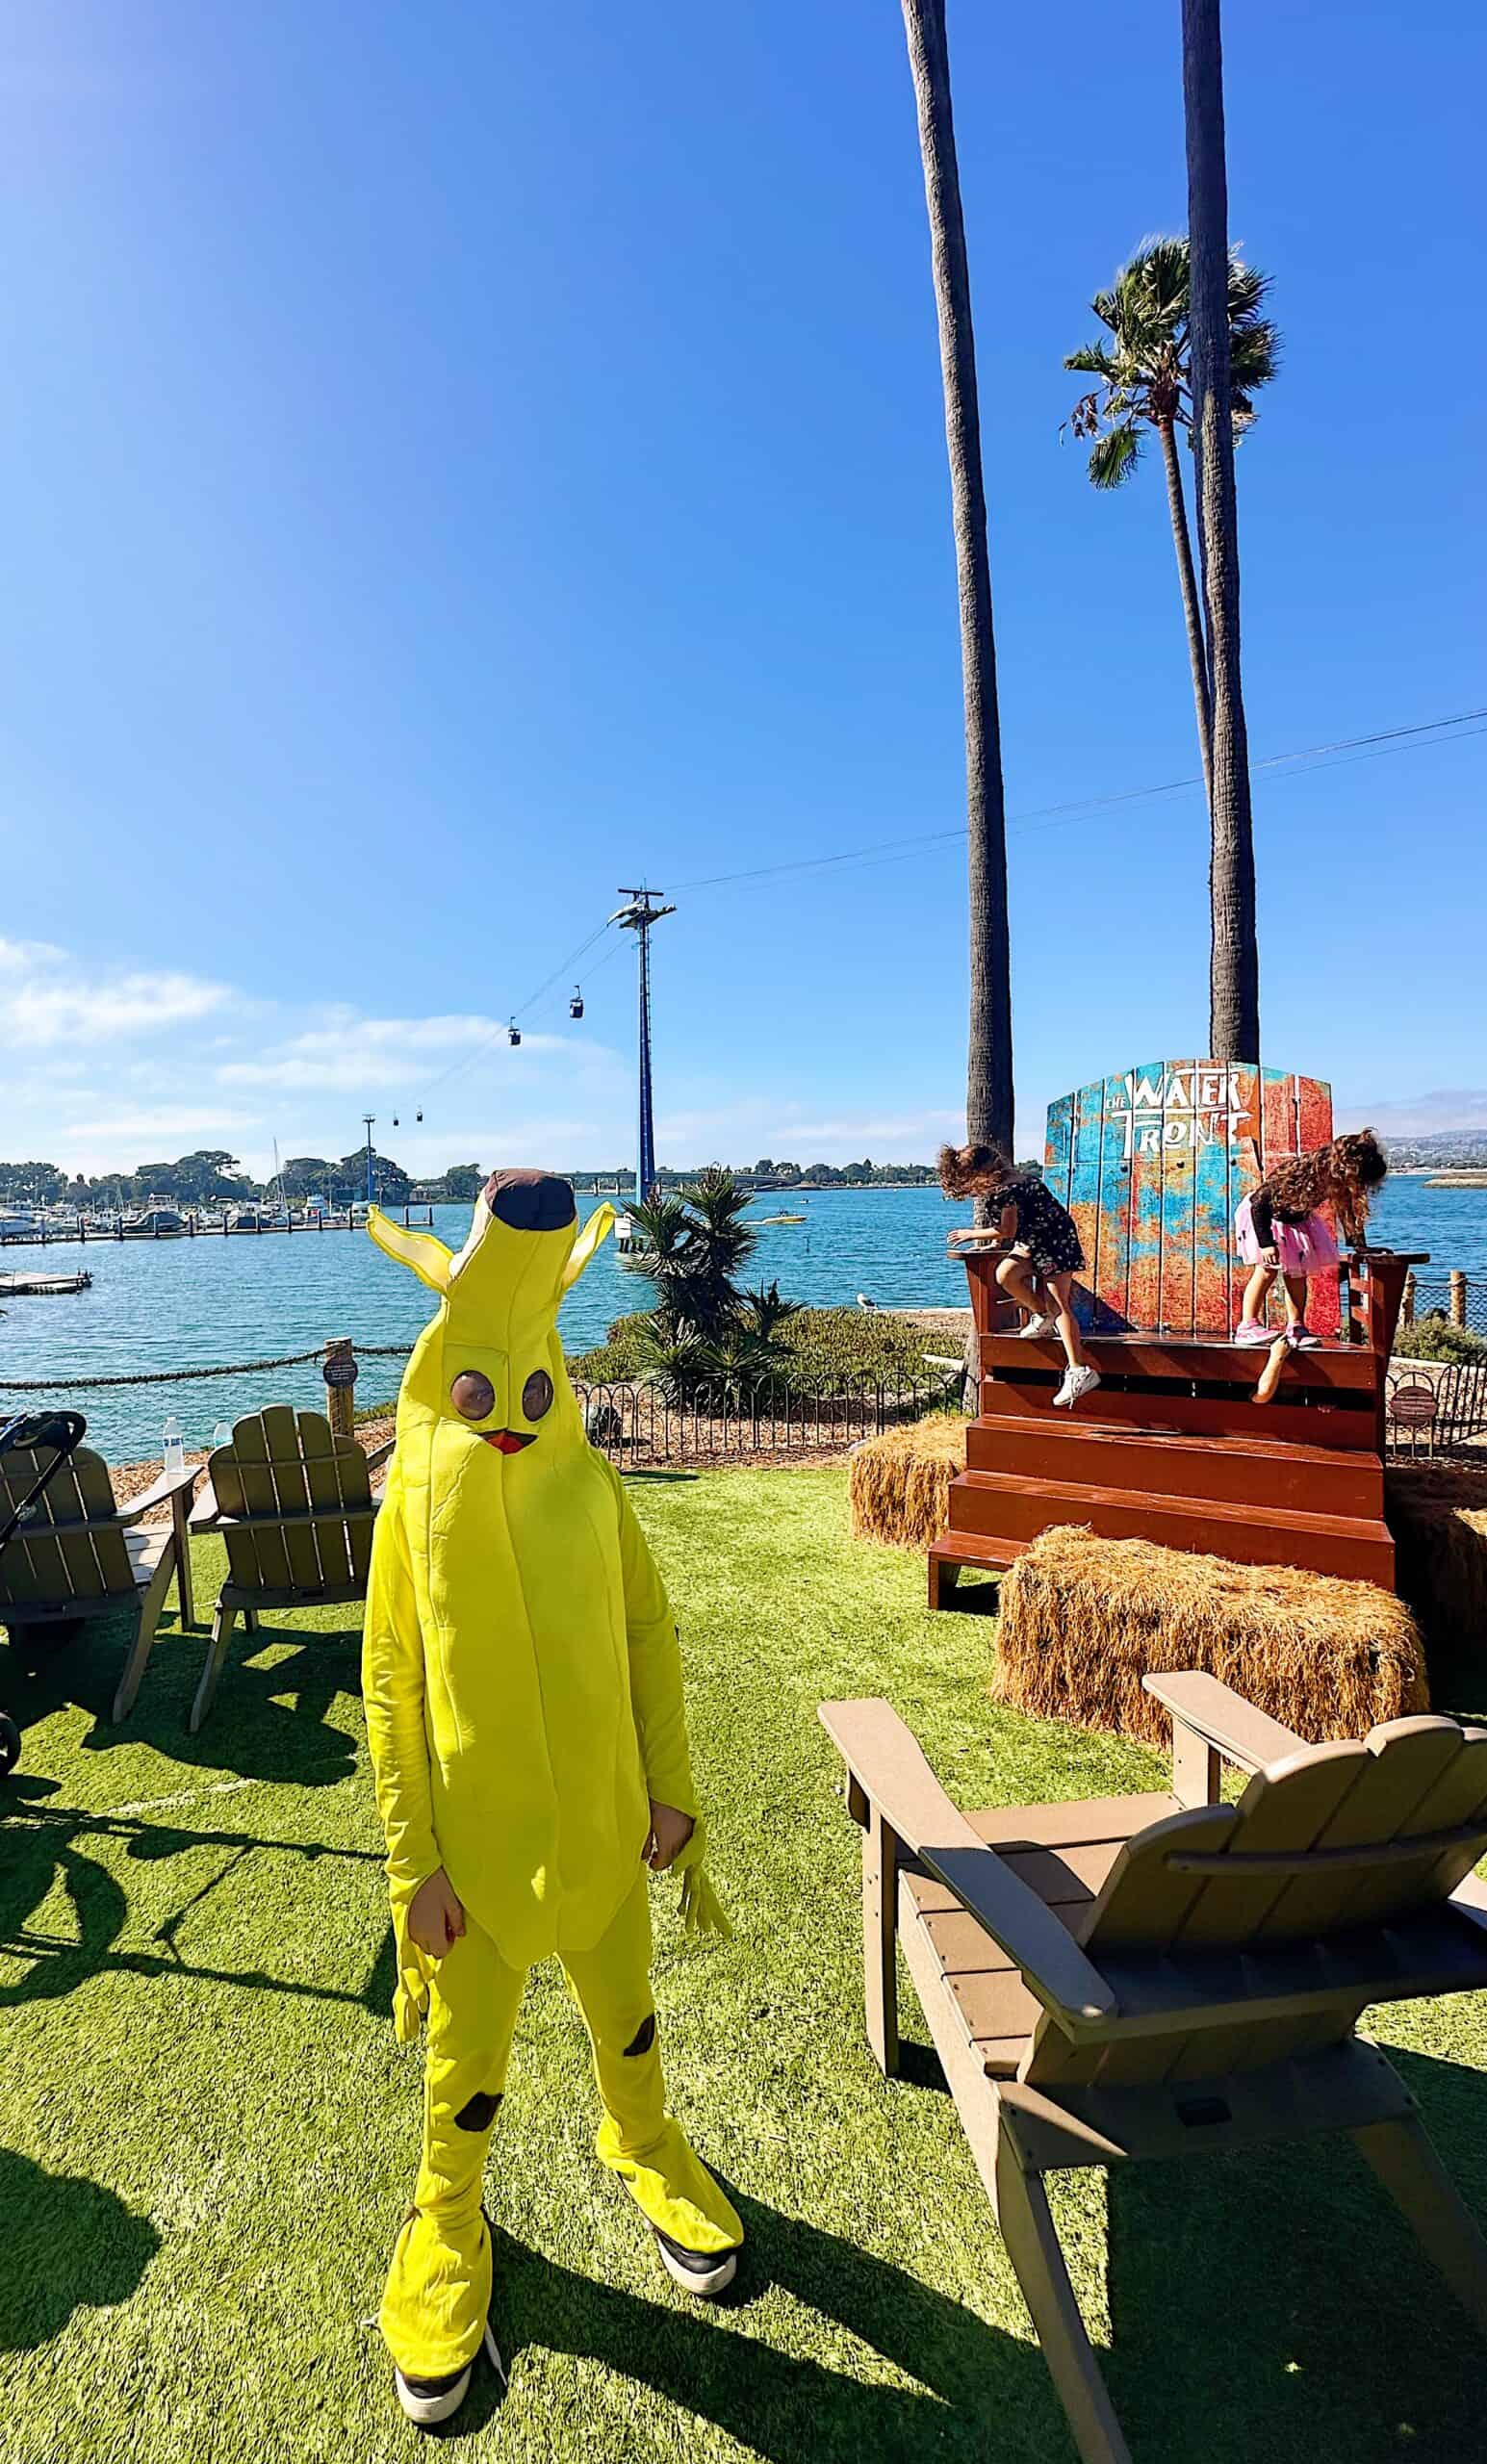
x: 174, y: 1304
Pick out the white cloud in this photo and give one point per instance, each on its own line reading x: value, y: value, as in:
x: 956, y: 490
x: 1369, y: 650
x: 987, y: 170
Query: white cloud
x: 1445, y: 1108
x: 211, y: 1128
x: 351, y: 1053
x: 52, y: 1000
x: 47, y: 997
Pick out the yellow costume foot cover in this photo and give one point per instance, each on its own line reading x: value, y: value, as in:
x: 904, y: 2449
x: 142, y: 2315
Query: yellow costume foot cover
x: 673, y: 2189
x: 438, y: 2297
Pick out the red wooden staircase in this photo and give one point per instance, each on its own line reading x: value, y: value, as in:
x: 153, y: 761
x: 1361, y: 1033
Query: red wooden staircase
x: 1171, y: 1447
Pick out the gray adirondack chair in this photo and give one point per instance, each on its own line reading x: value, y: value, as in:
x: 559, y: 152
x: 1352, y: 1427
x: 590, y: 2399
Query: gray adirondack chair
x: 1077, y: 1964
x: 293, y: 1502
x: 79, y: 1555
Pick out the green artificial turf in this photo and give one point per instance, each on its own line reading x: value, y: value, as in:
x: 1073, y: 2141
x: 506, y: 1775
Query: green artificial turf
x: 208, y: 2134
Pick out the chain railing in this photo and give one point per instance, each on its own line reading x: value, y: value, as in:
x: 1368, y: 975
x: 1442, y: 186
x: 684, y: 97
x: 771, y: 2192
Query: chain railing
x: 634, y: 1421
x: 1460, y: 1298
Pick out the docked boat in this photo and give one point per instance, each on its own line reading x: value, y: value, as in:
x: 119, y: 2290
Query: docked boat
x: 154, y: 1223
x: 248, y: 1218
x: 19, y: 1227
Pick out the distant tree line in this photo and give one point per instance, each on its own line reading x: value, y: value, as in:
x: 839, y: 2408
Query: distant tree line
x: 213, y: 1176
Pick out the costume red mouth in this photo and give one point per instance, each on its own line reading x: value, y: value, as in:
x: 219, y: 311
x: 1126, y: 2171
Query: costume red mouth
x: 507, y: 1440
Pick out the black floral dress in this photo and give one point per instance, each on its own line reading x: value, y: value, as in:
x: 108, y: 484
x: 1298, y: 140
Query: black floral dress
x: 1045, y: 1229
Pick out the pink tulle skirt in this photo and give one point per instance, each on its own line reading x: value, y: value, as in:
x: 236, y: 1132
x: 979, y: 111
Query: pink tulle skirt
x: 1307, y: 1248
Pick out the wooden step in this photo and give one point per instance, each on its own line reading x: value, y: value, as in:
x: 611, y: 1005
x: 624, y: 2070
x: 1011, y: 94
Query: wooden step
x: 1261, y: 1471
x: 1337, y: 1417
x: 1007, y: 1508
x: 1197, y: 1358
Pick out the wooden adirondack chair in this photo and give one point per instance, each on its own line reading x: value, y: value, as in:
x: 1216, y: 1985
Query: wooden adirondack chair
x: 295, y: 1504
x: 79, y: 1555
x: 1078, y: 1966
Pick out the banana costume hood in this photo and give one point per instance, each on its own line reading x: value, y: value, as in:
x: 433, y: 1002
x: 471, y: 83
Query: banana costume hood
x: 523, y: 1680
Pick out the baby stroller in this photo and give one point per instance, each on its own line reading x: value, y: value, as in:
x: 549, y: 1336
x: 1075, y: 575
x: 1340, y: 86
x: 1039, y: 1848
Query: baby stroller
x: 64, y: 1431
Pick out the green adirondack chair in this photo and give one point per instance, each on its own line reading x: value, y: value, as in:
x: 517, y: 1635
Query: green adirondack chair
x: 293, y: 1503
x: 81, y: 1555
x: 1161, y: 1976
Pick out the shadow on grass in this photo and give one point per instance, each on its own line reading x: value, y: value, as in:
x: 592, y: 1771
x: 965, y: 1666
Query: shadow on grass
x: 1276, y: 2305
x: 251, y: 1729
x: 42, y: 1844
x: 974, y: 2390
x: 68, y: 2245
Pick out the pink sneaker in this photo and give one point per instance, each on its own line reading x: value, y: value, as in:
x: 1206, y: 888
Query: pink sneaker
x: 1252, y: 1334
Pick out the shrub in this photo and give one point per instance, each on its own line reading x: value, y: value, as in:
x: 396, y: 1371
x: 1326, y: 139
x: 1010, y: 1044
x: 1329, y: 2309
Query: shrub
x: 1435, y: 1338
x: 825, y: 1352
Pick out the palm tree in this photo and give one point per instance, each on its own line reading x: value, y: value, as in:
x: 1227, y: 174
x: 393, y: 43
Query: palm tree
x: 1145, y: 383
x: 988, y: 1091
x: 1234, y: 964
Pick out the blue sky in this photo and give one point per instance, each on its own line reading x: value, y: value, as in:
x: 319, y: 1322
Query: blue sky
x: 461, y: 460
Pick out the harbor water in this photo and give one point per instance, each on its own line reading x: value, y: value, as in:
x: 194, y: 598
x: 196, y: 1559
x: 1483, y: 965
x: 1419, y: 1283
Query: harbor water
x: 193, y: 1303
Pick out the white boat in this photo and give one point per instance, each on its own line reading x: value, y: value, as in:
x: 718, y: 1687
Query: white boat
x: 247, y: 1218
x: 19, y: 1227
x: 154, y: 1223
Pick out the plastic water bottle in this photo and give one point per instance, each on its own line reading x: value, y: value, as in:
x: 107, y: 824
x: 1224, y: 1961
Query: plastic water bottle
x: 221, y: 1435
x: 174, y: 1442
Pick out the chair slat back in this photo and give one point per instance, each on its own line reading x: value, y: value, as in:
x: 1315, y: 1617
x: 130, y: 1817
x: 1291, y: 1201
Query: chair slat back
x: 283, y: 1465
x: 68, y: 1547
x: 1318, y: 1847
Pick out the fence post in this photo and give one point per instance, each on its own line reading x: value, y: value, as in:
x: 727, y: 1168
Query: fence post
x: 1407, y: 1300
x: 339, y: 1372
x: 1458, y: 1296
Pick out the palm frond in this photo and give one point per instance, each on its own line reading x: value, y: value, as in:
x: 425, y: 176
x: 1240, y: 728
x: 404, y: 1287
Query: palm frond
x: 1116, y: 456
x: 1091, y: 359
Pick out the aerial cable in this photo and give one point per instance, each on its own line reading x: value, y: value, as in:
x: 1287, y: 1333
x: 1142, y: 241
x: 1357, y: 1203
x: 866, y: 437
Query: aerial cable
x: 885, y: 849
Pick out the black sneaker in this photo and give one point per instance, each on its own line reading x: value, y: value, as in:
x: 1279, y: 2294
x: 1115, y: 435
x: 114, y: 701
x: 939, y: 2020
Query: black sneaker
x: 703, y: 2272
x: 431, y: 2401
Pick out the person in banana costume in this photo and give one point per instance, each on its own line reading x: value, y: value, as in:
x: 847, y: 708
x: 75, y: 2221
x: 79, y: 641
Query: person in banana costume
x: 525, y: 1714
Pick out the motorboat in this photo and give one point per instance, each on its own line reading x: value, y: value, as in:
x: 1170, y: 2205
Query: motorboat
x: 154, y: 1223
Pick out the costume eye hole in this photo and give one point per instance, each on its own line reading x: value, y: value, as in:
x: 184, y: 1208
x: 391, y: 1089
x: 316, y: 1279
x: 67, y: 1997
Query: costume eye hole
x: 537, y: 1395
x: 472, y: 1394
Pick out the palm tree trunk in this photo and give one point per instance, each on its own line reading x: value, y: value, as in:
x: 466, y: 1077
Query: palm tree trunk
x: 1191, y: 607
x: 988, y: 1093
x: 1234, y: 967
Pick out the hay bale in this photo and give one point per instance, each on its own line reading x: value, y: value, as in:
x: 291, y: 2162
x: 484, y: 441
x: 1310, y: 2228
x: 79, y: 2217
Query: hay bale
x: 1438, y: 1515
x: 898, y: 1485
x: 1084, y: 1620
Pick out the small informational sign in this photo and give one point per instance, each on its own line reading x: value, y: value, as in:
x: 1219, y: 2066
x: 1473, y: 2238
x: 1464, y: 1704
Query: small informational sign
x: 1152, y: 1164
x: 341, y: 1369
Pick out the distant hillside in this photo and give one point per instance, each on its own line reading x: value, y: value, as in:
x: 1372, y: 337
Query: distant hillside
x: 1457, y: 1150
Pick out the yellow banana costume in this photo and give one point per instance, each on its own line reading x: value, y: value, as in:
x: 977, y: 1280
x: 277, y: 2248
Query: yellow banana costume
x: 523, y: 1703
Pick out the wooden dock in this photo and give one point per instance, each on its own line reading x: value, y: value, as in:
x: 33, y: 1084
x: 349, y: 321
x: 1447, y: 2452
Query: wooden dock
x: 14, y: 1286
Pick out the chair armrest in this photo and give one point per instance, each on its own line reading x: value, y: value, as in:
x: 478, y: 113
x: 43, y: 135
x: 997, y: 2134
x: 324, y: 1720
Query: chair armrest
x: 1036, y: 1940
x: 887, y: 1764
x: 1218, y: 1717
x: 204, y: 1512
x: 377, y: 1454
x: 168, y: 1485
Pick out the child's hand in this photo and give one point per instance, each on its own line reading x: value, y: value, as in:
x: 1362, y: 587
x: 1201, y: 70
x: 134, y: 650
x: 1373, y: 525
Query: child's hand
x: 1270, y: 1258
x: 670, y: 1832
x: 436, y: 1919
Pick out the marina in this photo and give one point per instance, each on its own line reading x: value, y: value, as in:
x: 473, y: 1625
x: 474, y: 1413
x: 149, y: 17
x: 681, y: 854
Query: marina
x: 156, y: 1307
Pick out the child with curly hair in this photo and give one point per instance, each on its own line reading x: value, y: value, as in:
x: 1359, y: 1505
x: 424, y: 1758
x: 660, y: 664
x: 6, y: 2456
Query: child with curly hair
x: 1043, y: 1250
x: 1283, y: 1228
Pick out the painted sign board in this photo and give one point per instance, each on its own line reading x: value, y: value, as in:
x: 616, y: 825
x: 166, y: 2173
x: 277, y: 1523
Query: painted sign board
x: 1152, y: 1164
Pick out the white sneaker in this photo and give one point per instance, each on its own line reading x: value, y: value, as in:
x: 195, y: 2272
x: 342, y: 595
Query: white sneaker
x: 1037, y: 1327
x: 1077, y: 1382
